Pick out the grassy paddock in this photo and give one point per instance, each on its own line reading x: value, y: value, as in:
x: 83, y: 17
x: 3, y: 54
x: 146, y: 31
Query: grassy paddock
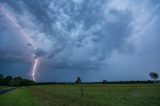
x: 94, y: 95
x: 18, y: 97
x: 2, y: 87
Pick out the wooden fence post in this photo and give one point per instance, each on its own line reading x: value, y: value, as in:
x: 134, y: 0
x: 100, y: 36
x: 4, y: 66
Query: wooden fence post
x: 81, y: 91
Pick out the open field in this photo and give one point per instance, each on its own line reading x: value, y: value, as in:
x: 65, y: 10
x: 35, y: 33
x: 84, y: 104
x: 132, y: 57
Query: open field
x: 94, y: 95
x: 4, y: 87
x: 1, y: 87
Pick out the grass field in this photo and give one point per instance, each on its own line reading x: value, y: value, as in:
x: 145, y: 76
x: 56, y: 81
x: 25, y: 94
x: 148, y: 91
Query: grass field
x: 94, y: 95
x: 4, y: 87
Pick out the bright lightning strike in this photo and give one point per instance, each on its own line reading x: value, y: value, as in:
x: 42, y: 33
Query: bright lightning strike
x: 13, y: 21
x: 34, y: 69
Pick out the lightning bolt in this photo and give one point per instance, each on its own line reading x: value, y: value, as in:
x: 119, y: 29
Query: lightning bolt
x: 14, y: 23
x: 34, y: 69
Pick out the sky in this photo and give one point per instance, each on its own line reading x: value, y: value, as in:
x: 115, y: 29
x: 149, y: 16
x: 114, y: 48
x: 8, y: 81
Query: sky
x: 93, y: 39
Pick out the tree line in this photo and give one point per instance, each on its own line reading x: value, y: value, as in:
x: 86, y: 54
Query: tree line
x: 18, y: 81
x: 15, y: 81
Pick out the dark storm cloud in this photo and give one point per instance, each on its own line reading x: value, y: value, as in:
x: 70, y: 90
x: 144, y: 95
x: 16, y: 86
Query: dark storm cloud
x: 30, y: 45
x: 13, y: 58
x: 102, y: 38
x: 39, y: 53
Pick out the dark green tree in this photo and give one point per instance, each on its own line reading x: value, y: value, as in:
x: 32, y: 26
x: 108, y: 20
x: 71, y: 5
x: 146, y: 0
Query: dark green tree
x: 1, y: 76
x: 78, y: 81
x: 154, y: 76
x: 17, y: 81
x: 104, y: 82
x: 7, y: 79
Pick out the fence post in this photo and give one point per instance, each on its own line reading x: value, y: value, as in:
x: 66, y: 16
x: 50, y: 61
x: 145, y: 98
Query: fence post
x: 81, y: 91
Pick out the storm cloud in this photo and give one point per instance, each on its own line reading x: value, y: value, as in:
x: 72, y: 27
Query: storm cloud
x: 96, y: 40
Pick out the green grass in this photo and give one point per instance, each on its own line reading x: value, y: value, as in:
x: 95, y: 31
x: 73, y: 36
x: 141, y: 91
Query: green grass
x: 94, y: 95
x: 18, y: 97
x: 3, y: 87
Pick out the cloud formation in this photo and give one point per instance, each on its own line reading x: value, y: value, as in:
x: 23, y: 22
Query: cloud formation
x: 39, y: 53
x: 102, y: 39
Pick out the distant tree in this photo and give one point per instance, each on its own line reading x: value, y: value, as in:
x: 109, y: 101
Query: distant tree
x: 8, y: 78
x: 17, y: 81
x: 1, y: 76
x: 12, y: 83
x: 154, y: 76
x: 26, y: 82
x: 104, y: 82
x: 5, y: 80
x: 78, y: 81
x: 1, y: 79
x: 18, y: 78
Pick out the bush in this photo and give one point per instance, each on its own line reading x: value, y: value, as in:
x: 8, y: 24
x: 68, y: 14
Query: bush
x: 17, y: 81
